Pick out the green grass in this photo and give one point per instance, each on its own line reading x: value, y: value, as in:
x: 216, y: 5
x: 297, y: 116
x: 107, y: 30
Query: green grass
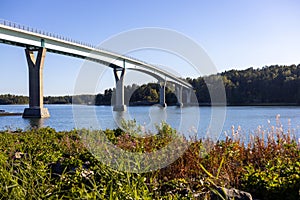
x: 45, y: 164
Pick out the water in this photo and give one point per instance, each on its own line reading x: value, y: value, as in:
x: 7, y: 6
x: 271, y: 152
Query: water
x: 188, y: 120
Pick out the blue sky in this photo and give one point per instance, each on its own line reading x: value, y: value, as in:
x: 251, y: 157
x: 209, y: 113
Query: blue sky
x: 235, y: 34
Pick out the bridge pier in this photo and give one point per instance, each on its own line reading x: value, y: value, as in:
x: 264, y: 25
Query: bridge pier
x: 35, y: 68
x: 179, y: 95
x: 162, y: 94
x: 188, y: 93
x: 119, y: 103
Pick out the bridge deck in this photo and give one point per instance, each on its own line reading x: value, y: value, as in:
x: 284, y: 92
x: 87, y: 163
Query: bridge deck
x: 23, y: 36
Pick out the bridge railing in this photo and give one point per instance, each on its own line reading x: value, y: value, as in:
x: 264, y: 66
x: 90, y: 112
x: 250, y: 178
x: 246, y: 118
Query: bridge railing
x: 49, y: 34
x: 60, y: 37
x: 57, y: 36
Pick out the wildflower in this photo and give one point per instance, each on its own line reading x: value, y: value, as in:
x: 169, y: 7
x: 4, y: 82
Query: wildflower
x: 259, y: 128
x: 133, y: 143
x: 126, y: 136
x: 239, y: 128
x: 19, y: 155
x: 86, y: 173
x: 143, y: 129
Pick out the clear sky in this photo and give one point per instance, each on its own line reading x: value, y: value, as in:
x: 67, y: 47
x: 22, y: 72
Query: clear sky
x: 236, y: 34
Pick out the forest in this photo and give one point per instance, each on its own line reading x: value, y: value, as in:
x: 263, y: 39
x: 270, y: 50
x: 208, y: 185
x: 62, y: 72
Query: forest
x: 270, y: 85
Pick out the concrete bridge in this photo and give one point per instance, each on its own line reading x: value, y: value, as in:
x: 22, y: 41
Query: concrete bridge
x: 42, y: 42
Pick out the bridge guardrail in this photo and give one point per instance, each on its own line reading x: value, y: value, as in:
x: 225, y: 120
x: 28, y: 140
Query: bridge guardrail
x: 67, y: 39
x: 57, y: 36
x: 45, y: 33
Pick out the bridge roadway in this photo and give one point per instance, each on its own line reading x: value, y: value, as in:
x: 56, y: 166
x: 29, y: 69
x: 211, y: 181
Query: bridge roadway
x: 41, y: 42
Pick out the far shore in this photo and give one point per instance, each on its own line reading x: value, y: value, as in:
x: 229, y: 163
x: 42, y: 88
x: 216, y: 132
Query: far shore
x: 134, y: 104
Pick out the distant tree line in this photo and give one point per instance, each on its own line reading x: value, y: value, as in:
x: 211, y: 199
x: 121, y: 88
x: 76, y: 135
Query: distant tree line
x: 146, y: 94
x: 273, y: 85
x: 13, y: 99
x: 269, y: 85
x: 78, y: 99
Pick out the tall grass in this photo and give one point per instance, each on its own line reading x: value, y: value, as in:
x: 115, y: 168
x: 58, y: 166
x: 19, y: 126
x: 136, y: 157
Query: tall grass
x: 45, y: 164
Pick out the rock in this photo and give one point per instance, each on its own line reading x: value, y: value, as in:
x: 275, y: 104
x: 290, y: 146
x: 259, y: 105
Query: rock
x: 230, y: 194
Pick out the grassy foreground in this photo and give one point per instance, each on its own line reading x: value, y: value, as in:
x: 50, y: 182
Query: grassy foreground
x: 45, y: 164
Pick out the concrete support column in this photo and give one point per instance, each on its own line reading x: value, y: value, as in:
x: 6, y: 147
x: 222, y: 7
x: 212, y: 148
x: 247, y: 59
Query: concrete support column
x: 162, y: 94
x: 179, y: 95
x: 188, y: 93
x: 35, y: 68
x: 119, y: 104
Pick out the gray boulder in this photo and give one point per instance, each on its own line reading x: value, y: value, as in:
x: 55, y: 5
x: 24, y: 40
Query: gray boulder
x: 230, y: 194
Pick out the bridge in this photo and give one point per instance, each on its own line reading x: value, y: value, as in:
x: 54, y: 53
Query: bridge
x: 42, y: 42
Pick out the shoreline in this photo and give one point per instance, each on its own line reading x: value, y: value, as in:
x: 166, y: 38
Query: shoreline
x: 191, y: 104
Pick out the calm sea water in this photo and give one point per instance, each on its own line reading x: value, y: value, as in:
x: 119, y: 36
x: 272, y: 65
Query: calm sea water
x: 191, y: 120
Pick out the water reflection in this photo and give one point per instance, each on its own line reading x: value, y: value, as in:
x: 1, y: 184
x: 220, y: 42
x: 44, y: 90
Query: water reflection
x: 35, y: 123
x: 119, y: 117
